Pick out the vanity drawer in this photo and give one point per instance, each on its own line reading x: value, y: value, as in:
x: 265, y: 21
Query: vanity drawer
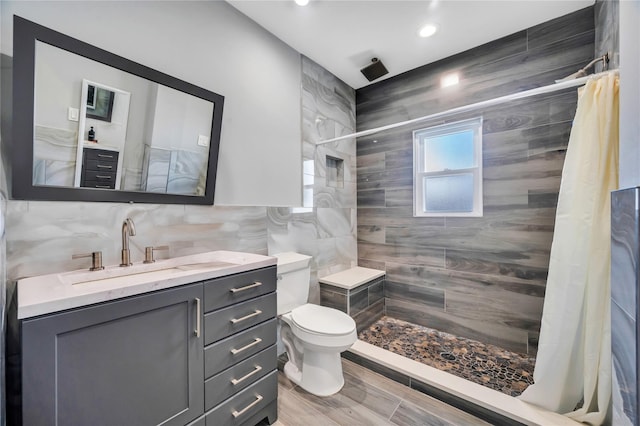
x: 226, y: 291
x: 98, y: 184
x: 224, y: 322
x: 100, y: 155
x: 225, y: 353
x: 101, y: 166
x: 242, y: 406
x: 99, y: 176
x: 230, y: 381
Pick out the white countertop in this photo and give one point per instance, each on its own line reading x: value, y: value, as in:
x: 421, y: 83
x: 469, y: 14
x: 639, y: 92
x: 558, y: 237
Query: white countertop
x: 352, y: 278
x: 46, y: 294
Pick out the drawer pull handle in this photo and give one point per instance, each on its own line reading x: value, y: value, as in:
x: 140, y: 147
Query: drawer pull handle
x: 247, y: 287
x: 246, y: 317
x: 103, y: 176
x: 244, y: 348
x: 245, y: 377
x: 197, y: 330
x: 237, y: 414
x: 100, y: 166
x: 103, y: 186
x: 105, y: 156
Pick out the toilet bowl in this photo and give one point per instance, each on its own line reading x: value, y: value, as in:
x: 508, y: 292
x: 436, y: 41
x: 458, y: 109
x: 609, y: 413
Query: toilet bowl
x: 312, y: 335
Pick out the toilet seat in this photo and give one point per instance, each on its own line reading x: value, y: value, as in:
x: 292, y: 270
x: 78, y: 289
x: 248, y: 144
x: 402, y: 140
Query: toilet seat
x: 322, y: 320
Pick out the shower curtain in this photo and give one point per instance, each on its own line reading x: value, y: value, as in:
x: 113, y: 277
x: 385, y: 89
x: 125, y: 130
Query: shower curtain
x: 573, y: 367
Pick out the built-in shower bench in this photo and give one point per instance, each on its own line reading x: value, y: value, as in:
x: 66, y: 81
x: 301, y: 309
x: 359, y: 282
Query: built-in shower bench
x: 358, y: 292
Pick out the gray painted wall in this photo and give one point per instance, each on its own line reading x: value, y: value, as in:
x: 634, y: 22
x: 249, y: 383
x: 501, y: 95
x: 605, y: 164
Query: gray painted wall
x: 482, y: 278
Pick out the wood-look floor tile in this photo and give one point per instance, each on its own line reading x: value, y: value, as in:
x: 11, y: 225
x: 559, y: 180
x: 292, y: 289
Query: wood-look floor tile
x: 410, y: 415
x: 293, y: 411
x: 342, y: 409
x: 414, y: 399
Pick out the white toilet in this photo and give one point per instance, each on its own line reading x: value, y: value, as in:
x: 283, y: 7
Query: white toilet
x: 313, y: 336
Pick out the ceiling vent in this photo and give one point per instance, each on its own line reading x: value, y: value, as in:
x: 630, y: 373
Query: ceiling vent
x: 374, y: 70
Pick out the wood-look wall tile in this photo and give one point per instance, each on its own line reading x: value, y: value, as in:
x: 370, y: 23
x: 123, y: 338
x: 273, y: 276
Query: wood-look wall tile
x: 399, y: 158
x: 368, y: 316
x: 422, y: 294
x: 371, y: 234
x: 561, y: 28
x: 506, y: 250
x: 526, y: 265
x: 511, y: 309
x: 371, y: 162
x: 506, y: 337
x: 544, y: 199
x: 399, y: 197
x: 447, y: 279
x: 401, y: 254
x: 607, y: 18
x: 395, y: 216
x: 388, y: 179
x: 398, y: 138
x: 358, y: 301
x: 494, y: 237
x: 554, y: 137
x: 373, y: 264
x: 371, y: 198
x: 371, y: 97
x: 376, y: 291
x: 334, y: 300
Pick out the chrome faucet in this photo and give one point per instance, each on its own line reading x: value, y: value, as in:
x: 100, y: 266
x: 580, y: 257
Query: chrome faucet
x: 128, y: 229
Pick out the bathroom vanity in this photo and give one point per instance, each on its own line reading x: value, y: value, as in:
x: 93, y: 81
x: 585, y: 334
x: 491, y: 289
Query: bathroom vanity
x: 183, y: 341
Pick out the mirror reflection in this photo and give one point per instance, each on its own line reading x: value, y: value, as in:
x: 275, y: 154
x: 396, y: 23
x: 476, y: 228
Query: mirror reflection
x: 96, y: 126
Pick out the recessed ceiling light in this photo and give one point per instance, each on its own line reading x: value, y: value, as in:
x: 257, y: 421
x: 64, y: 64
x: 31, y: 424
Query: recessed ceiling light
x: 302, y: 2
x: 427, y: 30
x: 449, y: 80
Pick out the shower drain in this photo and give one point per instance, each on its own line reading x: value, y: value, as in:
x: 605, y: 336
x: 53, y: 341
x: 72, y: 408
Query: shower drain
x: 448, y: 356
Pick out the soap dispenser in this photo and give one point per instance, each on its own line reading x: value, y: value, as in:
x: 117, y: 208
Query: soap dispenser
x: 92, y: 134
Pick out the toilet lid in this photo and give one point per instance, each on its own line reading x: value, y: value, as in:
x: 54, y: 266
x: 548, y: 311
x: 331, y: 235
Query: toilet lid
x: 320, y: 319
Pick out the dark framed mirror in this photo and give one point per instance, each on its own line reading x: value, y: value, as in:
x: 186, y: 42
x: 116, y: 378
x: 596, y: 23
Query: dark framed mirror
x: 89, y: 125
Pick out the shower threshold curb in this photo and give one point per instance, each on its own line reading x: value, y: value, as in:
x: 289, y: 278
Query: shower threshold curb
x: 481, y: 401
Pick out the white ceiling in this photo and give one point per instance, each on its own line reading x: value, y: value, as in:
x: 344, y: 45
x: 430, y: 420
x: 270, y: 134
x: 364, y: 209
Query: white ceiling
x: 343, y: 35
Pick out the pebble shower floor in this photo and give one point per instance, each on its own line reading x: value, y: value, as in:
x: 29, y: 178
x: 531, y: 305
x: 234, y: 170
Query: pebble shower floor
x: 487, y: 365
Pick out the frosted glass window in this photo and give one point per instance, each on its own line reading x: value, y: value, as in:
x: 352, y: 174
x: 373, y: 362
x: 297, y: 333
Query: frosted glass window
x: 449, y: 193
x: 449, y: 152
x: 447, y: 165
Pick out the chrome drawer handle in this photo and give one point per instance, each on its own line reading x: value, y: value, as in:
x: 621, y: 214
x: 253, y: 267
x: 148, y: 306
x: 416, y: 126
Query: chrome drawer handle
x: 247, y: 287
x: 100, y: 166
x: 244, y: 348
x: 245, y: 377
x: 197, y: 330
x: 246, y: 317
x: 103, y: 177
x: 236, y: 414
x: 105, y: 156
x: 103, y: 186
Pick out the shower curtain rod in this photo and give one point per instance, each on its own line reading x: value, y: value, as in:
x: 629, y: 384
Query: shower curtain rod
x: 483, y: 104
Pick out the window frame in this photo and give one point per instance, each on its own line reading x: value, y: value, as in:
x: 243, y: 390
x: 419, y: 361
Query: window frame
x: 420, y: 173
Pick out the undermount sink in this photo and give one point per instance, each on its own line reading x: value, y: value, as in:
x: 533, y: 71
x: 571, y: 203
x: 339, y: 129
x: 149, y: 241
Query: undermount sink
x: 156, y: 271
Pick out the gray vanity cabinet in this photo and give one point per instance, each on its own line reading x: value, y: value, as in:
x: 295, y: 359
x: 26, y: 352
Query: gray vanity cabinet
x: 135, y: 361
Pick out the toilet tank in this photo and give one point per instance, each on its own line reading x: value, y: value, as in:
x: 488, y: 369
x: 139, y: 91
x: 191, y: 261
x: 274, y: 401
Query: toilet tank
x: 294, y: 274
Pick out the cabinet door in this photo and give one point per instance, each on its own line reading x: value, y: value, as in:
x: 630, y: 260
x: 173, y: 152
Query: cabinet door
x: 136, y: 361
